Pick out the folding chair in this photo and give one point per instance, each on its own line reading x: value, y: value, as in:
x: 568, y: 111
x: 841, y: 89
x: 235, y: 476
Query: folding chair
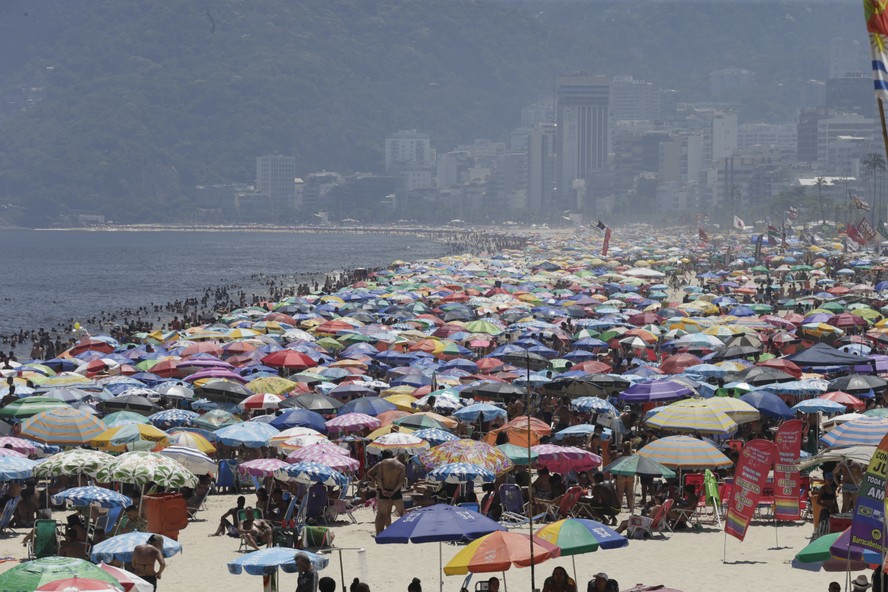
x: 645, y: 525
x: 45, y: 542
x: 241, y: 516
x: 315, y: 504
x: 197, y: 505
x: 566, y: 506
x: 514, y: 508
x: 8, y: 513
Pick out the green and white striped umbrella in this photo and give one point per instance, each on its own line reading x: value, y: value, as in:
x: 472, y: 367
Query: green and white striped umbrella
x: 73, y: 462
x: 141, y: 468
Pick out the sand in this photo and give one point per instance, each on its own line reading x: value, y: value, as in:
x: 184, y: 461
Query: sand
x: 689, y: 560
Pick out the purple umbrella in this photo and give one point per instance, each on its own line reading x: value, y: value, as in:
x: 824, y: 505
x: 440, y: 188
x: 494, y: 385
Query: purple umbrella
x: 657, y: 390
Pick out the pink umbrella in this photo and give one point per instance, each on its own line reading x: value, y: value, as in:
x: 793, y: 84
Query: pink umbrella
x: 261, y: 467
x: 334, y: 460
x: 352, y: 422
x: 18, y: 444
x: 561, y: 459
x: 205, y: 347
x: 215, y: 373
x: 11, y: 452
x: 77, y: 584
x: 321, y: 446
x: 128, y: 580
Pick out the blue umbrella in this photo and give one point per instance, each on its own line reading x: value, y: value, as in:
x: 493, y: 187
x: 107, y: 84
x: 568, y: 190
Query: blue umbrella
x: 866, y: 431
x: 768, y: 403
x: 461, y: 473
x: 435, y: 436
x: 15, y: 467
x: 371, y: 406
x: 120, y: 547
x: 582, y: 429
x: 486, y: 411
x: 249, y: 434
x: 170, y: 418
x: 594, y: 405
x: 799, y: 388
x: 84, y: 496
x: 300, y: 418
x: 266, y: 561
x: 656, y: 390
x: 815, y: 405
x: 311, y: 472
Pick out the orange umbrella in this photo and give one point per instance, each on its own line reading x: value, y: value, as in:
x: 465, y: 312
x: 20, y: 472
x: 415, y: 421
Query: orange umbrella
x: 499, y: 551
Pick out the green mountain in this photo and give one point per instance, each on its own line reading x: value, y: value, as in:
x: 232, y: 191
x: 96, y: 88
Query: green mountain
x: 121, y: 107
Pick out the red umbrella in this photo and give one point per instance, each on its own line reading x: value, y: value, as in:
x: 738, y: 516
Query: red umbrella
x: 288, y: 358
x: 645, y: 318
x: 204, y: 347
x: 678, y: 363
x: 280, y: 318
x: 847, y: 320
x: 592, y: 367
x: 76, y: 584
x: 844, y: 399
x: 783, y: 365
x: 91, y: 344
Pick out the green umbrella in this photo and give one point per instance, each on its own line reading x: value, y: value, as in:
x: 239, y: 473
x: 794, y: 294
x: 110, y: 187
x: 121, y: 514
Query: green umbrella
x: 73, y: 462
x: 833, y: 306
x: 517, y: 454
x: 877, y: 412
x: 214, y: 419
x: 419, y: 421
x: 30, y: 406
x: 141, y: 468
x: 29, y: 576
x: 818, y: 550
x: 121, y: 417
x: 638, y: 465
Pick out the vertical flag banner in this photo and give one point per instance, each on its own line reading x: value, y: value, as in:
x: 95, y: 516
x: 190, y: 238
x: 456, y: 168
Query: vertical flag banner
x: 867, y: 523
x: 866, y: 229
x: 607, y: 240
x: 738, y: 223
x: 877, y: 25
x: 854, y: 234
x: 749, y: 480
x: 703, y: 236
x: 787, y: 478
x: 758, y: 246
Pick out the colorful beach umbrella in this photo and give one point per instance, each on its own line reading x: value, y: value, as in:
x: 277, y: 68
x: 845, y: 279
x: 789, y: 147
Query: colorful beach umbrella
x: 575, y: 536
x: 141, y: 468
x: 684, y: 452
x: 467, y: 451
x: 64, y: 426
x: 499, y: 551
x: 398, y: 443
x: 311, y: 472
x: 639, y: 465
x: 460, y: 473
x: 73, y: 462
x: 867, y: 431
x: 31, y: 575
x: 692, y: 416
x: 85, y: 496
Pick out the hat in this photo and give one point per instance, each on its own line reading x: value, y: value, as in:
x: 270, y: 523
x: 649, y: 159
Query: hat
x: 603, y: 576
x: 861, y: 583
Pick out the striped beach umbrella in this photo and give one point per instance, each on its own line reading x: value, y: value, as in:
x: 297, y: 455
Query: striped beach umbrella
x: 261, y: 401
x: 352, y: 422
x: 261, y: 467
x: 173, y: 418
x: 499, y: 551
x: 594, y: 405
x: 17, y: 444
x: 684, y: 452
x: 31, y: 406
x: 740, y: 411
x: 130, y: 436
x: 85, y: 496
x: 73, y: 462
x: 311, y: 472
x: 435, y: 436
x: 467, y: 451
x: 16, y: 467
x: 460, y: 473
x: 64, y: 426
x: 141, y: 468
x: 120, y: 547
x: 191, y: 440
x: 692, y: 416
x: 194, y: 460
x: 322, y: 455
x: 866, y: 431
x: 398, y: 443
x: 561, y: 459
x: 250, y: 434
x: 575, y: 536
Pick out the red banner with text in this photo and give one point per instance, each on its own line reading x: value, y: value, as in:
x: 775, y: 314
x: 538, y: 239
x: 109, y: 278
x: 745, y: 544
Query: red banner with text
x: 606, y: 244
x: 787, y: 477
x: 749, y: 480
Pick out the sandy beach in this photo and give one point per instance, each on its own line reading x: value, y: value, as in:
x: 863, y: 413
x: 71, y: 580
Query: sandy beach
x: 690, y: 561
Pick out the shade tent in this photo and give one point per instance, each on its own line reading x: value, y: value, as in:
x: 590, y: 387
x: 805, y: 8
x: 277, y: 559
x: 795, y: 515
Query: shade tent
x: 821, y: 354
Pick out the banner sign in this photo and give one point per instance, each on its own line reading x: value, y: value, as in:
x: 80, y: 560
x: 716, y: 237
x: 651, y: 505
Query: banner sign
x: 867, y: 526
x: 787, y: 478
x: 750, y: 477
x: 607, y: 240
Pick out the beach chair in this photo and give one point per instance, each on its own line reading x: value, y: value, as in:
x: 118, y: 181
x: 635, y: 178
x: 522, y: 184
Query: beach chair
x: 287, y: 533
x: 197, y: 504
x: 566, y: 506
x: 45, y: 542
x: 315, y: 504
x: 8, y: 513
x: 514, y: 508
x: 241, y: 516
x: 645, y: 525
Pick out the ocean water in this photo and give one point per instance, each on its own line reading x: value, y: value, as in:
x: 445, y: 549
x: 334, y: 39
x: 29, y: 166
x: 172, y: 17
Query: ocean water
x: 50, y: 277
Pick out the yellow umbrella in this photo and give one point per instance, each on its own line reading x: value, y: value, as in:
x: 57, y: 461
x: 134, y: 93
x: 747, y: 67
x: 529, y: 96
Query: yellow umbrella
x: 271, y: 384
x: 130, y: 436
x: 402, y: 402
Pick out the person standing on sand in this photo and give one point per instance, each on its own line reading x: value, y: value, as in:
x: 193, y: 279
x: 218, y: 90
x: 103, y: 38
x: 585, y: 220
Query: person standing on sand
x: 390, y: 477
x: 144, y: 558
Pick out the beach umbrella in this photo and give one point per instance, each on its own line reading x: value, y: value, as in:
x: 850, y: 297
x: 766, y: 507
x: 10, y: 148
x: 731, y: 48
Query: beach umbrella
x: 818, y: 405
x: 460, y: 473
x: 845, y: 399
x: 484, y: 411
x: 856, y: 383
x: 292, y: 418
x: 823, y: 550
x: 14, y: 468
x: 270, y: 385
x: 17, y: 444
x: 136, y: 403
x: 518, y: 454
x: 692, y: 416
x: 685, y: 453
x: 352, y: 422
x: 466, y: 451
x: 657, y: 390
x: 371, y: 406
x: 398, y: 443
x: 194, y: 460
x: 85, y: 496
x: 78, y: 584
x: 72, y: 462
x: 311, y: 472
x: 224, y: 391
x: 215, y: 419
x: 437, y: 524
x: 325, y: 455
x: 30, y: 406
x: 638, y: 465
x: 249, y: 434
x: 170, y: 418
x: 30, y: 575
x: 119, y: 418
x: 594, y: 405
x: 769, y: 404
x: 141, y: 468
x: 435, y: 436
x: 260, y: 401
x: 120, y: 547
x: 290, y: 359
x: 562, y: 459
x: 129, y: 437
x: 575, y: 536
x: 499, y: 551
x: 265, y: 563
x: 866, y: 431
x: 192, y: 440
x: 130, y: 581
x: 261, y: 467
x: 314, y: 402
x: 739, y: 411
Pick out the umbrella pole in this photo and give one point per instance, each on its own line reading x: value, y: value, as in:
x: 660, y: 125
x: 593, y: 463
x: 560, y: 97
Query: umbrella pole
x: 440, y: 567
x: 505, y: 586
x: 269, y: 582
x: 342, y: 570
x: 529, y: 485
x: 573, y: 561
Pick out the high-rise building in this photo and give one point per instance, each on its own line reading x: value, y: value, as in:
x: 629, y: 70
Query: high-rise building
x: 276, y: 178
x: 540, y: 167
x: 408, y: 147
x: 852, y: 93
x: 581, y: 112
x: 719, y: 136
x: 633, y: 99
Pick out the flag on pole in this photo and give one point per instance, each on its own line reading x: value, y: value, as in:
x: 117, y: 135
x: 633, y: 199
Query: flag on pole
x: 607, y: 240
x: 859, y: 203
x: 601, y: 225
x: 854, y: 234
x: 703, y: 236
x: 866, y: 229
x: 783, y: 234
x: 738, y: 223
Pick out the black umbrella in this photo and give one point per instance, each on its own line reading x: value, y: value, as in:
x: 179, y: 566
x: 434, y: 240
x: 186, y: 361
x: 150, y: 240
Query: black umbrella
x: 737, y: 351
x: 313, y: 402
x: 135, y: 403
x: 574, y: 388
x: 495, y: 390
x: 524, y: 360
x: 760, y: 375
x: 745, y: 340
x: 224, y: 391
x: 856, y: 383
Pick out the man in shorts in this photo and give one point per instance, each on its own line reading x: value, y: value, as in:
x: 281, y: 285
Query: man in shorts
x: 390, y: 477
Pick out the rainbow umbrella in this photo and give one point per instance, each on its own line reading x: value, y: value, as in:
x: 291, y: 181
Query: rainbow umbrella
x: 575, y: 536
x: 33, y: 574
x: 499, y: 551
x: 63, y: 426
x: 684, y: 452
x: 473, y: 452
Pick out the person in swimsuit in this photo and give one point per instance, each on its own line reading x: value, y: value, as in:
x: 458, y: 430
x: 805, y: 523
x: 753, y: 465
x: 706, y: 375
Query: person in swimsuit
x: 390, y: 477
x: 145, y: 557
x: 848, y: 474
